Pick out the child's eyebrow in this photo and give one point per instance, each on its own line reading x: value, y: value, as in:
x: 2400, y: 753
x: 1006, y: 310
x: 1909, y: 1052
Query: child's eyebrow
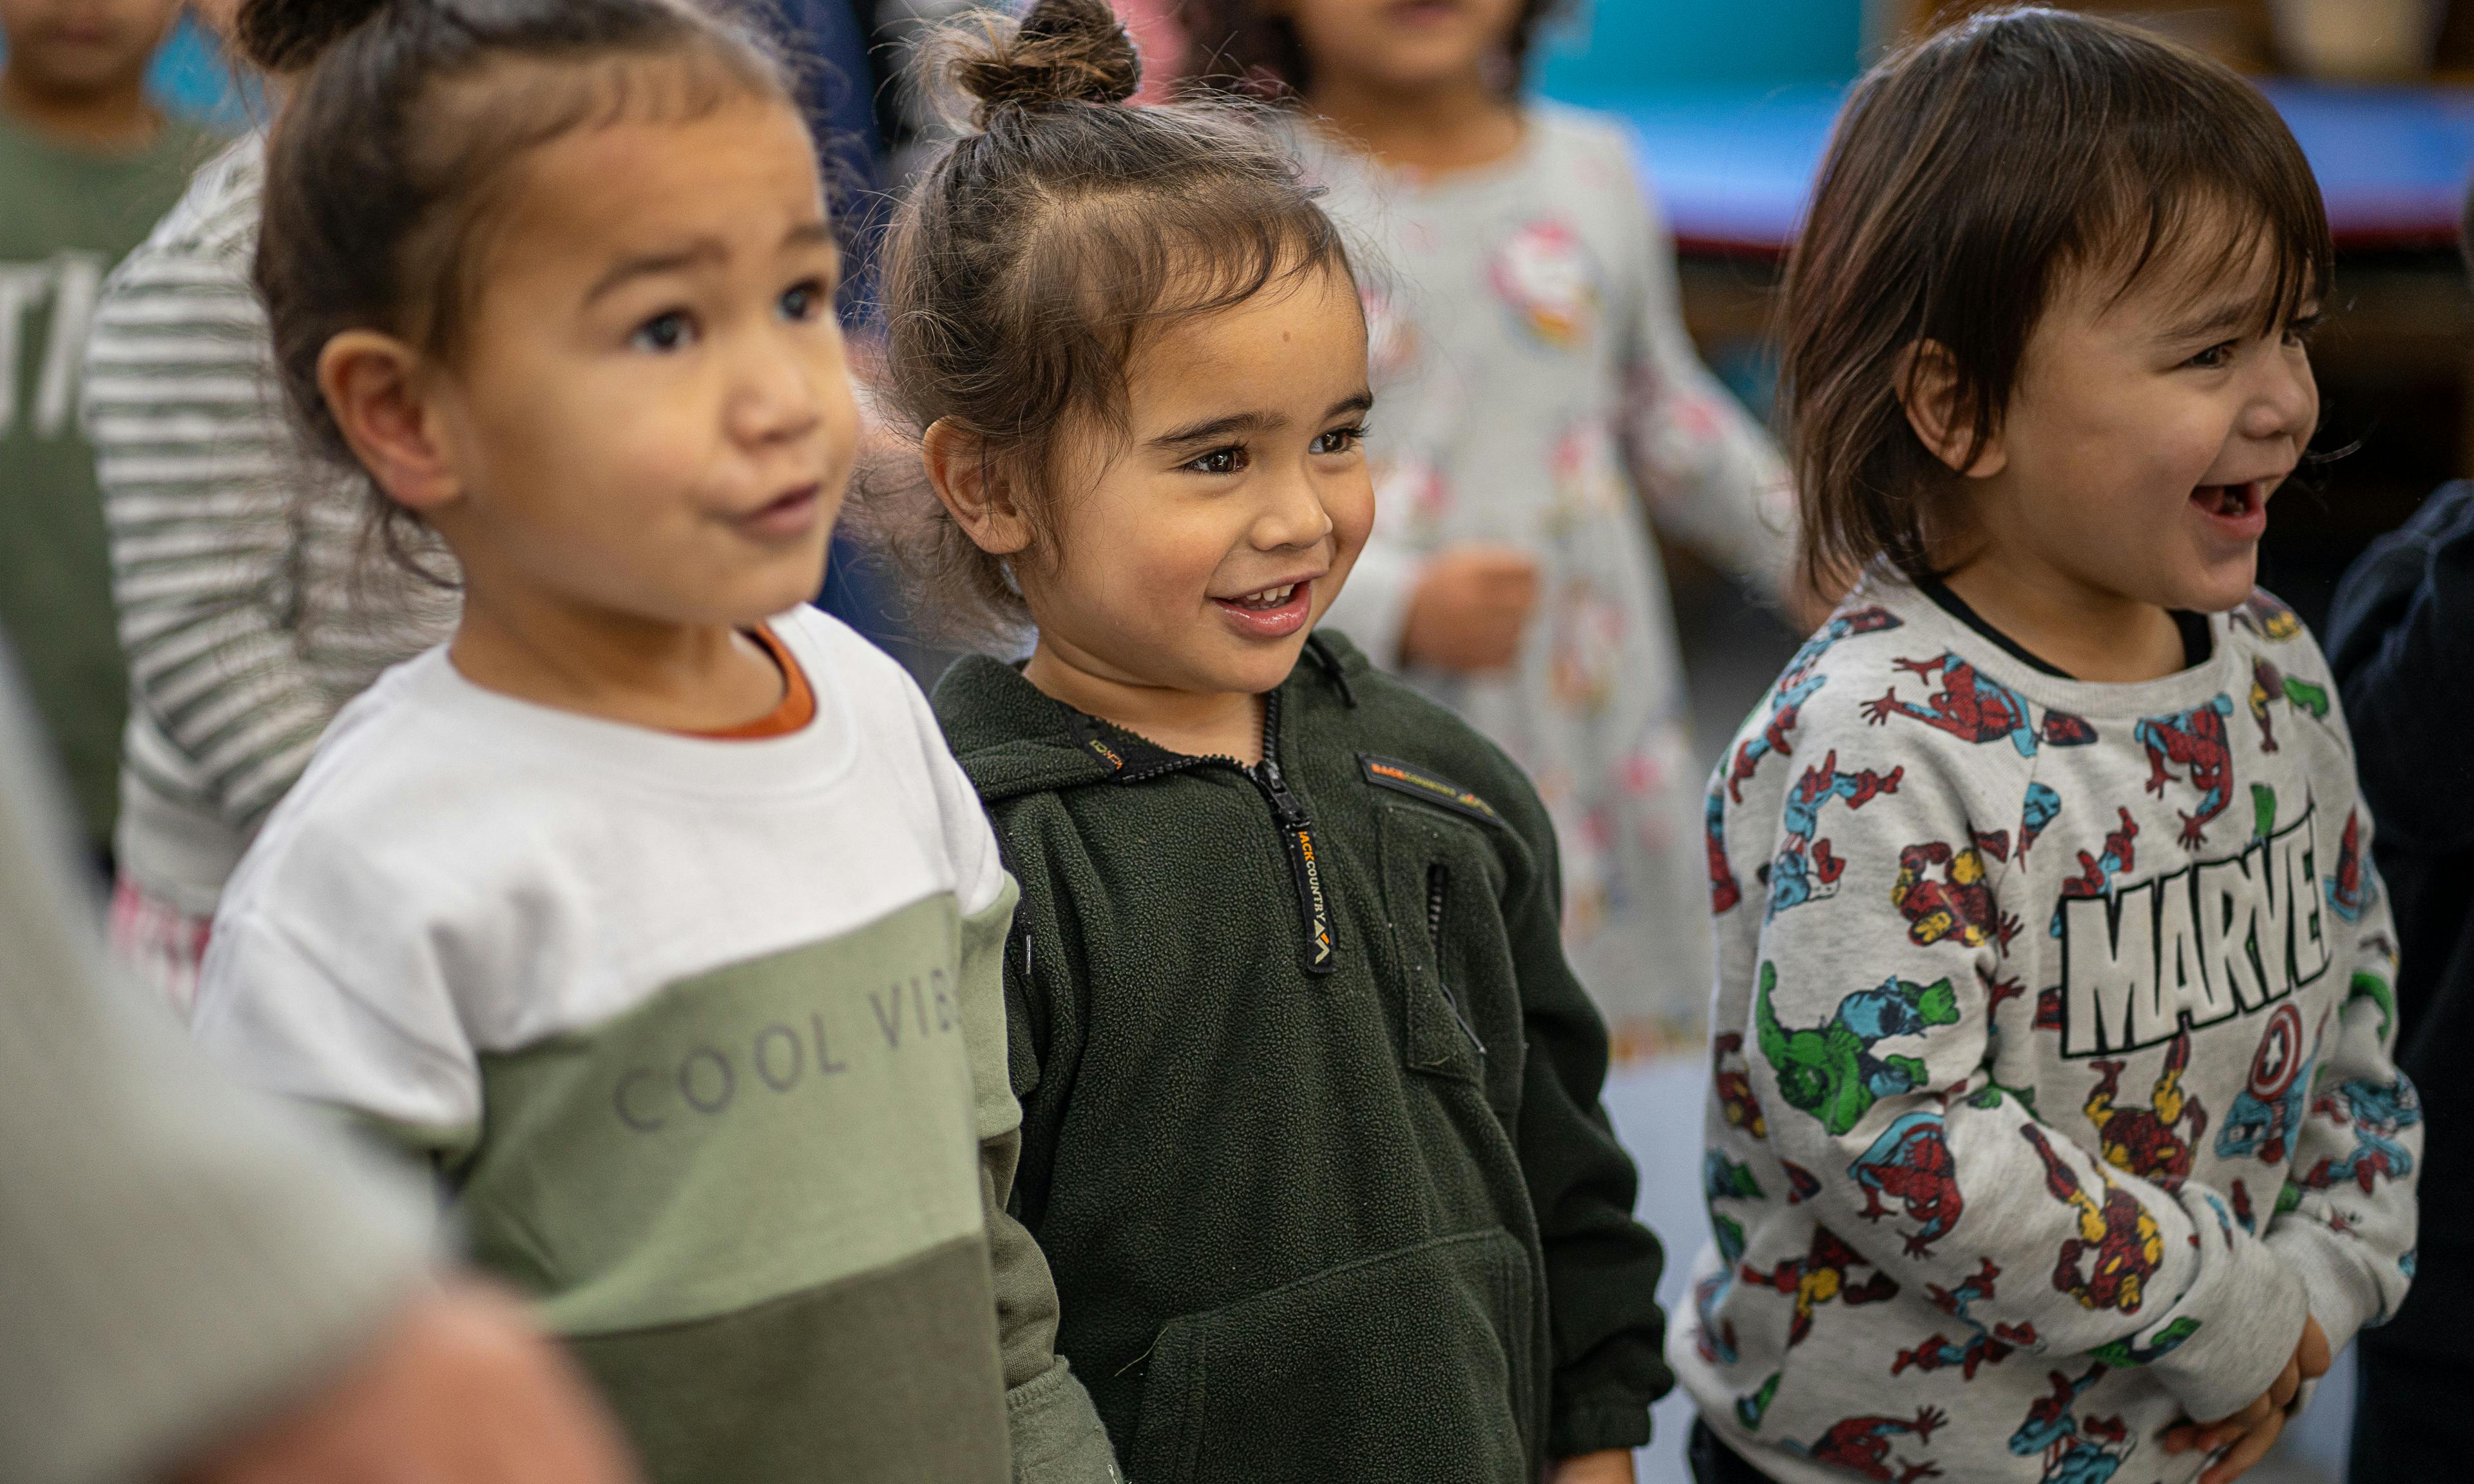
x: 1254, y: 423
x: 808, y: 234
x: 2217, y: 320
x: 1219, y: 427
x: 645, y: 265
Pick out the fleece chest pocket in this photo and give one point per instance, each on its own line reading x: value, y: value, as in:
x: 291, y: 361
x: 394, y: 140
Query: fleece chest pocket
x: 1440, y: 886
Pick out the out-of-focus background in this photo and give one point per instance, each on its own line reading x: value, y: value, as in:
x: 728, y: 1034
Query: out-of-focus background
x: 1732, y: 104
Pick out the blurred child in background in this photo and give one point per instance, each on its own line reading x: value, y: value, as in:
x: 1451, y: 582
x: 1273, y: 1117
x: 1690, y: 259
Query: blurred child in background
x: 2401, y: 638
x: 247, y: 611
x: 87, y: 164
x: 2054, y: 1132
x: 1312, y: 1134
x: 650, y: 910
x: 1540, y: 398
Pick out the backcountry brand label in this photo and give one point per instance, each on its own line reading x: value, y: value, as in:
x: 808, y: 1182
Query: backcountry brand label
x: 1418, y: 783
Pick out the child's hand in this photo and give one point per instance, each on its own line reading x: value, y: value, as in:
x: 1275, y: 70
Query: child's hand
x: 1469, y: 608
x: 2253, y: 1431
x: 1611, y: 1467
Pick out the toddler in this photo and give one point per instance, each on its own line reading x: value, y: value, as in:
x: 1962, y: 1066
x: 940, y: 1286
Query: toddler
x: 2053, y: 1132
x: 650, y: 909
x: 1312, y: 1135
x: 1540, y: 396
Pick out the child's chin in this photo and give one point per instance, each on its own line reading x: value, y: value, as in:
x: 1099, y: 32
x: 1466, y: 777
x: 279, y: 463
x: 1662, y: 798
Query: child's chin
x: 2222, y: 585
x: 1258, y: 666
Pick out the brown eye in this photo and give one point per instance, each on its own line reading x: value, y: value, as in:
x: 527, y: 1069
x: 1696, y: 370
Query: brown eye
x: 663, y: 333
x: 1218, y: 461
x: 803, y: 302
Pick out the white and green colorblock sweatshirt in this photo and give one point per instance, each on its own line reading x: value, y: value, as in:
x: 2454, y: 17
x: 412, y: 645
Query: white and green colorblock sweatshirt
x: 708, y: 1039
x: 2052, y: 1034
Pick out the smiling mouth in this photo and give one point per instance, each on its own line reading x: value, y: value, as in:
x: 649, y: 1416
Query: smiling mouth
x: 1266, y: 599
x: 2232, y: 502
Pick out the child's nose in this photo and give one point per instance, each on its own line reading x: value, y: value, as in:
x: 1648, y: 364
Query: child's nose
x: 2285, y: 403
x: 774, y: 398
x: 1296, y: 515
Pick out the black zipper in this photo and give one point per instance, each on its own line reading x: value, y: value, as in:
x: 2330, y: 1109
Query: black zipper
x: 1298, y: 833
x: 1439, y: 885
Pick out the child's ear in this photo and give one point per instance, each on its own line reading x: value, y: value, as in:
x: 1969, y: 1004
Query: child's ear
x: 975, y: 491
x: 372, y: 387
x: 1928, y: 389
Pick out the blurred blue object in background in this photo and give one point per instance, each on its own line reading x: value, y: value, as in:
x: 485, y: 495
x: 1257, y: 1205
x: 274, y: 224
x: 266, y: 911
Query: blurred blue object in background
x: 1618, y: 48
x: 191, y: 78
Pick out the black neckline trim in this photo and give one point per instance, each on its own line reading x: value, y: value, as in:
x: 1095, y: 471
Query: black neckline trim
x: 2198, y: 640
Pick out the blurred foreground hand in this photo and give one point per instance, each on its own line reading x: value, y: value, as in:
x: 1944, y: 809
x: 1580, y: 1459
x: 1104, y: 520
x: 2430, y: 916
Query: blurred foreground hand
x: 458, y: 1389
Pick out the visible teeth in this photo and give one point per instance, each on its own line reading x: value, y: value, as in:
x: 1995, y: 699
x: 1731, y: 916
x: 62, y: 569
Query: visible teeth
x: 1268, y: 597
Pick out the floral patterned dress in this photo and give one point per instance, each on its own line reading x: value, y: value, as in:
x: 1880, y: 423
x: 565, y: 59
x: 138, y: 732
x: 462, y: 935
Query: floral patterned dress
x: 1535, y: 388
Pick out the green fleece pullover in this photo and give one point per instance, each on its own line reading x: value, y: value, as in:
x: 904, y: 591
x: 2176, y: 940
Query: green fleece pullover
x: 1311, y: 1132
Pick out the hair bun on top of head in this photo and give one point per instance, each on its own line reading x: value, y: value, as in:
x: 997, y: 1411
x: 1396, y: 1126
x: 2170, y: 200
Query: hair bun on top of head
x: 286, y: 36
x: 1062, y: 51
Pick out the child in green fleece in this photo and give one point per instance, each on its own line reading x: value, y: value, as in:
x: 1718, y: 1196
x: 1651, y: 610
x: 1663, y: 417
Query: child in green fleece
x: 1310, y: 1127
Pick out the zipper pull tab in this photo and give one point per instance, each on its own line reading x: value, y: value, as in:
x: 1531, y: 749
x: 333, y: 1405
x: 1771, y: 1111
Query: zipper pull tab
x: 1284, y: 803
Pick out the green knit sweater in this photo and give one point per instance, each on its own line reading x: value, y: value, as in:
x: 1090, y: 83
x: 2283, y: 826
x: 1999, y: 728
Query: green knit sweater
x: 1311, y: 1128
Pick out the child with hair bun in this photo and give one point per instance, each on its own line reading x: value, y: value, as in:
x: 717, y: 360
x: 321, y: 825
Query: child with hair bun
x: 649, y: 910
x: 1541, y: 400
x: 2055, y: 1133
x: 1312, y: 1135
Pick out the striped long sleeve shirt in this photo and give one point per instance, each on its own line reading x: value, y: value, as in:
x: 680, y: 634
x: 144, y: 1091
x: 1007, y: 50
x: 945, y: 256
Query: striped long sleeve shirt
x: 253, y: 601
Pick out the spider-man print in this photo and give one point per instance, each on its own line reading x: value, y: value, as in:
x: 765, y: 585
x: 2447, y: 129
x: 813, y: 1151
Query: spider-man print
x: 1978, y: 709
x: 1806, y: 871
x: 1982, y: 1345
x: 1956, y: 905
x: 2074, y: 1451
x: 1862, y: 1445
x: 1911, y: 1163
x: 2196, y: 741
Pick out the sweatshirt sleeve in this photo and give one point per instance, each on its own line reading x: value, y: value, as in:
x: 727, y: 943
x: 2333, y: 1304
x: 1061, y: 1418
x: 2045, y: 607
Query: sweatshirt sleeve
x: 176, y: 1258
x: 1870, y: 1041
x: 1708, y: 473
x: 2345, y: 1220
x: 194, y: 462
x: 1602, y: 1265
x: 1057, y: 1435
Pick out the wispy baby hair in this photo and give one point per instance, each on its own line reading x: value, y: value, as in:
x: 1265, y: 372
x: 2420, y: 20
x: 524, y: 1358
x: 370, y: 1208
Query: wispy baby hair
x: 1025, y: 270
x: 1970, y: 175
x: 389, y: 162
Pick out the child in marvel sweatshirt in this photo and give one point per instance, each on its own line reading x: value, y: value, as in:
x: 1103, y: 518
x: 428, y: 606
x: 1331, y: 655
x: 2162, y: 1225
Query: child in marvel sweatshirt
x: 2053, y: 1122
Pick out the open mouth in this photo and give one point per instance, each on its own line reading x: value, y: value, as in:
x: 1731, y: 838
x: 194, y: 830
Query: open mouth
x: 1267, y: 599
x: 2242, y: 507
x: 1272, y: 612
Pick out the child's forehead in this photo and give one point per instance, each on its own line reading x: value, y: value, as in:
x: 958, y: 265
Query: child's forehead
x: 2201, y: 260
x: 1301, y: 297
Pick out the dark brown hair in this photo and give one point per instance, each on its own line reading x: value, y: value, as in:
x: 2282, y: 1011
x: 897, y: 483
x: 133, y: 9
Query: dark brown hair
x: 1030, y: 263
x: 1969, y: 175
x: 1243, y: 45
x: 388, y: 160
